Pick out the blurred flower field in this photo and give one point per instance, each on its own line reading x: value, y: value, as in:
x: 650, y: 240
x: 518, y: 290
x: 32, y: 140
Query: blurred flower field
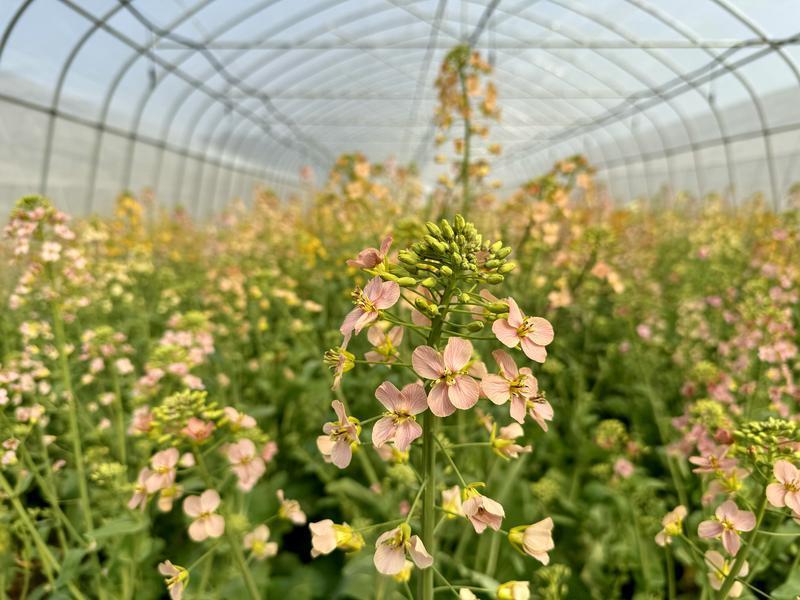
x: 382, y: 392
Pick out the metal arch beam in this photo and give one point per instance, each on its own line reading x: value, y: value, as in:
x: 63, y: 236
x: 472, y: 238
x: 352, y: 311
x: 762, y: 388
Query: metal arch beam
x: 626, y: 68
x: 423, y: 72
x: 56, y: 98
x: 233, y: 81
x: 789, y: 61
x: 203, y: 109
x: 200, y: 85
x: 508, y: 14
x: 482, y: 22
x: 686, y: 33
x: 686, y: 123
x: 12, y: 24
x: 106, y: 106
x: 178, y: 103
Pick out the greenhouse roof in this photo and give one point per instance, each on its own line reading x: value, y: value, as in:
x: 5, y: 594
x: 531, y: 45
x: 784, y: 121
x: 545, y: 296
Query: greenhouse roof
x: 199, y: 99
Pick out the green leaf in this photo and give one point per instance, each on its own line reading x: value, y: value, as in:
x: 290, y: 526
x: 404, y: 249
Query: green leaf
x: 118, y: 527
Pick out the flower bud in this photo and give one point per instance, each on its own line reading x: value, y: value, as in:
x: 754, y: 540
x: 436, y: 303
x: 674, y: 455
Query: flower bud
x: 407, y: 282
x: 475, y: 326
x: 498, y: 307
x: 503, y: 252
x: 492, y: 264
x: 433, y: 228
x: 389, y: 277
x: 445, y: 270
x: 428, y: 282
x: 464, y: 297
x: 447, y: 231
x: 408, y: 257
x: 507, y: 268
x: 459, y: 223
x: 494, y: 279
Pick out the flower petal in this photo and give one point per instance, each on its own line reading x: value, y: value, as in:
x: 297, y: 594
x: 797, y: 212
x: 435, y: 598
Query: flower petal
x: 505, y: 333
x: 383, y: 431
x: 508, y: 368
x: 388, y: 395
x: 457, y: 353
x: 427, y: 362
x: 418, y: 553
x: 464, y: 392
x: 407, y: 432
x: 439, y: 402
x: 496, y: 389
x: 533, y: 350
x: 414, y: 398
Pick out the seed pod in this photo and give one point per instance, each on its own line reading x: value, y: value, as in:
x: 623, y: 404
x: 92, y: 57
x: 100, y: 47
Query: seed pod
x: 494, y: 279
x: 507, y: 268
x: 503, y: 252
x: 407, y: 282
x: 475, y: 325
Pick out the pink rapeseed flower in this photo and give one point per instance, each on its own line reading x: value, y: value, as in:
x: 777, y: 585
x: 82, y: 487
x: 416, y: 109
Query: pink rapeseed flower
x: 139, y: 497
x: 391, y: 548
x: 534, y: 540
x: 246, y: 463
x: 519, y: 386
x: 719, y: 569
x: 728, y: 522
x: 371, y: 257
x: 505, y: 442
x: 399, y: 423
x: 483, y: 512
x: 715, y: 461
x: 377, y: 295
x: 162, y: 474
x: 787, y: 491
x: 340, y: 436
x: 256, y: 542
x: 384, y: 344
x: 452, y: 388
x: 197, y: 429
x: 532, y: 333
x: 290, y: 509
x: 206, y: 522
x: 176, y: 580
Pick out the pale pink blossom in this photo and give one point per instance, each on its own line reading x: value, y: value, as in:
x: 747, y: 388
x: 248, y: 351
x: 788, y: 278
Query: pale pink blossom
x: 124, y: 366
x: 197, y: 429
x: 535, y: 540
x: 176, y: 579
x: 505, y: 442
x: 385, y: 344
x: 162, y: 474
x: 532, y: 333
x: 371, y: 257
x: 139, y: 498
x: 167, y: 497
x: 376, y: 296
x: 245, y: 463
x: 452, y: 387
x: 206, y: 522
x: 399, y: 423
x: 256, y: 542
x: 340, y: 436
x: 326, y: 536
x: 787, y: 491
x: 239, y: 420
x: 715, y: 461
x: 483, y: 512
x: 451, y: 502
x: 623, y: 467
x: 269, y: 451
x: 290, y: 509
x: 728, y: 523
x: 392, y: 546
x: 719, y: 569
x: 672, y: 525
x: 519, y: 386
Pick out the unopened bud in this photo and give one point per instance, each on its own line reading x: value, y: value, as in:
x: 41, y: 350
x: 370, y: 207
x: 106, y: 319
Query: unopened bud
x: 475, y: 325
x: 447, y: 231
x: 498, y: 307
x: 507, y: 268
x: 433, y: 228
x: 503, y: 252
x: 407, y: 282
x: 429, y: 282
x: 445, y: 270
x: 495, y: 278
x: 459, y: 223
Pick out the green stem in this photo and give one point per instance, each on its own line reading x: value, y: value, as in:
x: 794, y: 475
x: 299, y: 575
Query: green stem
x: 119, y: 416
x: 465, y: 191
x: 743, y: 552
x: 670, y: 573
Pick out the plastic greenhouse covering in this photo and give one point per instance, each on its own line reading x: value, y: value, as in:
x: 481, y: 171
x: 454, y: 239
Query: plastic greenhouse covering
x: 201, y: 99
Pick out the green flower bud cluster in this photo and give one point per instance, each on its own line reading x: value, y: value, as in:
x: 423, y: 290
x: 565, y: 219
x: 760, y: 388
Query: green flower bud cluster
x: 548, y: 489
x: 766, y: 441
x: 108, y: 474
x: 165, y: 355
x: 452, y: 250
x: 611, y: 434
x: 704, y: 372
x: 709, y: 413
x: 552, y: 582
x: 174, y: 412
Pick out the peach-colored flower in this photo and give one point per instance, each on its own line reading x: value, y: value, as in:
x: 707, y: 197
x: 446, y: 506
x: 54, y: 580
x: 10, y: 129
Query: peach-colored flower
x: 340, y: 436
x: 376, y: 296
x: 672, y: 525
x: 623, y: 467
x: 206, y: 522
x: 482, y: 512
x: 451, y: 502
x: 167, y: 497
x: 326, y: 536
x: 384, y: 344
x: 197, y: 429
x: 532, y: 333
x: 719, y: 570
x: 534, y: 540
x: 139, y: 497
x: 142, y: 420
x: 290, y: 509
x: 269, y: 451
x: 452, y: 387
x: 504, y: 443
x: 399, y: 424
x: 177, y: 578
x: 787, y: 491
x: 517, y: 385
x: 391, y: 548
x: 714, y: 461
x: 246, y: 463
x: 239, y: 420
x: 514, y: 590
x: 728, y: 522
x: 256, y: 542
x: 162, y: 474
x: 371, y: 257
